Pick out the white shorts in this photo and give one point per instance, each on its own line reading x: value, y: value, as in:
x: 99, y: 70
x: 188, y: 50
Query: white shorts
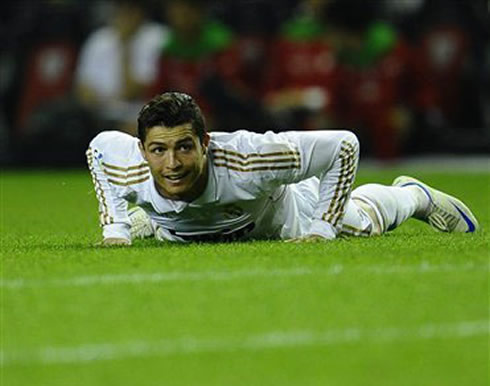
x: 359, y: 219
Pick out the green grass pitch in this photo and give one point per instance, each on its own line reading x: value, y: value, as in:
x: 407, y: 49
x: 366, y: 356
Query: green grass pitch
x: 409, y: 308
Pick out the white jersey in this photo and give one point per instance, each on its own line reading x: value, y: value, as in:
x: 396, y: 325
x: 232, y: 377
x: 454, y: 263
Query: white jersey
x: 253, y: 189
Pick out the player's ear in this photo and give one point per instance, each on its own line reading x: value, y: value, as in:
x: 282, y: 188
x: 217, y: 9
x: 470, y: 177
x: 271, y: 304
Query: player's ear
x: 142, y: 149
x: 205, y: 140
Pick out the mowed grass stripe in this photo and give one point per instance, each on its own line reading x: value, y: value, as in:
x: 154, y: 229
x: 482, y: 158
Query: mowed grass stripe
x: 52, y: 355
x: 157, y: 277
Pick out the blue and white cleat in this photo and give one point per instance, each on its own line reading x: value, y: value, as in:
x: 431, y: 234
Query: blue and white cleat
x: 141, y: 226
x: 445, y: 213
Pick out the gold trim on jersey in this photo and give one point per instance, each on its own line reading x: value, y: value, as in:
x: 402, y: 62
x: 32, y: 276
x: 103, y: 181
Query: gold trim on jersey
x: 346, y: 179
x: 123, y: 169
x: 126, y: 176
x: 128, y: 183
x: 104, y: 216
x: 269, y: 161
x: 256, y: 161
x: 246, y: 156
x: 124, y: 179
x: 259, y: 168
x: 344, y: 184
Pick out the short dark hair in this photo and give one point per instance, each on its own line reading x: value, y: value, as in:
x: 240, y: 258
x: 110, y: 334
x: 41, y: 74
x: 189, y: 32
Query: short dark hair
x: 171, y: 109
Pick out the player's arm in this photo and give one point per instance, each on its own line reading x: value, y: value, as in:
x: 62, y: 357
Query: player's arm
x: 113, y: 214
x: 332, y: 156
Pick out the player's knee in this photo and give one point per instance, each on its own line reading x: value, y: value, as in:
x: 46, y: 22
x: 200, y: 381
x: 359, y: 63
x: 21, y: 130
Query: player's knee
x: 376, y: 193
x: 381, y: 199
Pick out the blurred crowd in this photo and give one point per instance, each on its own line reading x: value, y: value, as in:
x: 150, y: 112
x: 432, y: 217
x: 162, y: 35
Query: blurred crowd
x: 407, y: 76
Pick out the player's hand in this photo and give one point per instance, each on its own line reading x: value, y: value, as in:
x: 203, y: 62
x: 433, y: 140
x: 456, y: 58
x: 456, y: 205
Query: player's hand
x: 308, y: 239
x: 113, y: 242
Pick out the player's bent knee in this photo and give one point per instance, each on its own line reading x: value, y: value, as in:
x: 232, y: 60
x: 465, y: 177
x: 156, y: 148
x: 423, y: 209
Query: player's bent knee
x: 380, y: 199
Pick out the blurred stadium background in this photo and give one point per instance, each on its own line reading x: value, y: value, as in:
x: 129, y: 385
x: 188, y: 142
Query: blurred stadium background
x: 411, y: 77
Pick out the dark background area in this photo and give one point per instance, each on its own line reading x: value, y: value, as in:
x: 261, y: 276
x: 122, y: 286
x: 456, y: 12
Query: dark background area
x: 445, y: 109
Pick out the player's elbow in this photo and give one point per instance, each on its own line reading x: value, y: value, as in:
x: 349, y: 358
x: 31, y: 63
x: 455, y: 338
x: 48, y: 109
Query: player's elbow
x: 105, y: 138
x: 350, y: 137
x: 101, y: 139
x: 350, y: 143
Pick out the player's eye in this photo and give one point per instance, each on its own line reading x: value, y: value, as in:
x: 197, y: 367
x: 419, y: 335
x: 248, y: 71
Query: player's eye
x: 185, y: 147
x: 157, y: 150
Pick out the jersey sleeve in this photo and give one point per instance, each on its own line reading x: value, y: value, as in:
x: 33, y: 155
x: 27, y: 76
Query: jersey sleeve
x: 108, y: 156
x: 332, y: 156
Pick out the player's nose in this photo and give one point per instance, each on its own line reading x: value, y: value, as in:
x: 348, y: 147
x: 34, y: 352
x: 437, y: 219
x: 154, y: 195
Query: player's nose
x: 172, y: 161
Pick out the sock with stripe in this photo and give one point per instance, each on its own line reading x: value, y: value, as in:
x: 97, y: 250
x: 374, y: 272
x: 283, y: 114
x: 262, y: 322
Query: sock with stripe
x: 394, y: 204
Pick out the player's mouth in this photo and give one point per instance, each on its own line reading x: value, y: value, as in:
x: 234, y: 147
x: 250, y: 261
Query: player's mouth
x: 176, y: 179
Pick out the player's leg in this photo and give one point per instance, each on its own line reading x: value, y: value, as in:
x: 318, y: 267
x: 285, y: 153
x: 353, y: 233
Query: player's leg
x: 387, y: 206
x: 442, y: 211
x: 392, y: 205
x: 359, y: 220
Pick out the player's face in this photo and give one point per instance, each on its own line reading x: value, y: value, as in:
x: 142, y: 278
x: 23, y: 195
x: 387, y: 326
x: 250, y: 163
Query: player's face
x: 177, y: 161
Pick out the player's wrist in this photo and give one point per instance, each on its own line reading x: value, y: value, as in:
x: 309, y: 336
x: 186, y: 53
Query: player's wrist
x: 114, y: 241
x: 116, y: 231
x: 323, y: 229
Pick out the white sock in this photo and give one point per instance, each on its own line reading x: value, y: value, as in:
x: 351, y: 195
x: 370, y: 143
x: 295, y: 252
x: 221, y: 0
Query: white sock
x: 422, y: 199
x: 394, y: 204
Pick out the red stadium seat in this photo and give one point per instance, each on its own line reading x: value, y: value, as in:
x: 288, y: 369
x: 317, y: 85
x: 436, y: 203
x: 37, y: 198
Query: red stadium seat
x: 49, y: 75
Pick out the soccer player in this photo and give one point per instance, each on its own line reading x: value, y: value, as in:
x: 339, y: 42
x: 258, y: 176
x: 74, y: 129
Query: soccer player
x: 191, y: 185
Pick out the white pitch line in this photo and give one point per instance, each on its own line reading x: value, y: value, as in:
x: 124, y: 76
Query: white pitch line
x: 85, y: 353
x: 158, y: 277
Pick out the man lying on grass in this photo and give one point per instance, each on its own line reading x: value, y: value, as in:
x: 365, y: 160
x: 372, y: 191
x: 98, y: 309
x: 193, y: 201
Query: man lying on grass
x: 191, y: 185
